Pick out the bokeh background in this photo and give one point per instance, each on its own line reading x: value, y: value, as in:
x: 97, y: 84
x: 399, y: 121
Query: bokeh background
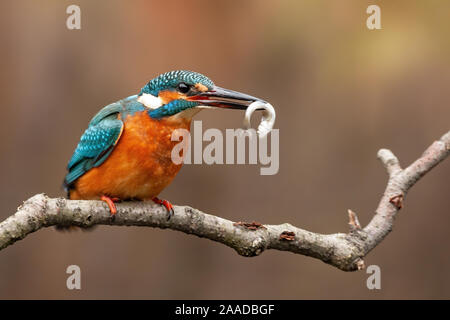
x: 340, y: 90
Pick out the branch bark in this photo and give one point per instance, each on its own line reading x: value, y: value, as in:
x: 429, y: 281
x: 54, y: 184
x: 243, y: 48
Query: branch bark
x: 342, y: 250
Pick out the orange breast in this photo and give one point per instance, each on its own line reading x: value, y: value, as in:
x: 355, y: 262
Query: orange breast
x: 140, y: 165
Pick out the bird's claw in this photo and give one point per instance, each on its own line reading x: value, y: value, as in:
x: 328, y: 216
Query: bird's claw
x: 112, y: 207
x: 170, y: 214
x: 167, y: 205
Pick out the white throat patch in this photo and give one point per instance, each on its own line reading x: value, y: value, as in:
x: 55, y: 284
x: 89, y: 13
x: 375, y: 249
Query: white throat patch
x: 150, y: 101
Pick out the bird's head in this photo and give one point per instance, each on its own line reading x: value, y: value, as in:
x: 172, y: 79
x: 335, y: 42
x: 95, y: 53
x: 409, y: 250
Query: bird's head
x: 186, y: 92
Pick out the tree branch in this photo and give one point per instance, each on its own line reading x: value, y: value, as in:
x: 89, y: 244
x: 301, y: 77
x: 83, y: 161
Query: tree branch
x: 342, y: 250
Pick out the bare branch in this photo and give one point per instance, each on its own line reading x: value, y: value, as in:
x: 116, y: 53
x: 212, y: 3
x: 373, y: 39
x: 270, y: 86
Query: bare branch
x: 344, y: 251
x: 389, y: 161
x: 353, y: 221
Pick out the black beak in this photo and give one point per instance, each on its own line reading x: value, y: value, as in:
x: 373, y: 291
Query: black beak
x: 223, y: 98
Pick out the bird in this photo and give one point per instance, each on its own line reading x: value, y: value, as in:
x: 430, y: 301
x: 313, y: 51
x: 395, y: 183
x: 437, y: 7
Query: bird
x: 125, y: 153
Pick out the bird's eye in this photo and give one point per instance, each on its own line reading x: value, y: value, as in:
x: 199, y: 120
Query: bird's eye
x: 183, y: 87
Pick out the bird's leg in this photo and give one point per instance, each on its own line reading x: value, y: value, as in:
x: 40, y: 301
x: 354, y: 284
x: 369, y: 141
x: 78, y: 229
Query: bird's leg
x: 166, y: 204
x: 110, y: 202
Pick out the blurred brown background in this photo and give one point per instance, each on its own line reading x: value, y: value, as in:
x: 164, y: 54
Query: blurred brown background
x: 341, y: 92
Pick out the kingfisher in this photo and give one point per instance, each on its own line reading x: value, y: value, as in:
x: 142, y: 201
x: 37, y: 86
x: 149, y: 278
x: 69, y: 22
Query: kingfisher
x: 125, y: 153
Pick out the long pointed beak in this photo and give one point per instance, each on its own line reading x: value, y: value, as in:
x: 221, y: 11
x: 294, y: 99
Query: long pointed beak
x: 223, y: 98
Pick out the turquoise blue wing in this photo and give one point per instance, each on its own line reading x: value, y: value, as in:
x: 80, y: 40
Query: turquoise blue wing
x: 96, y: 144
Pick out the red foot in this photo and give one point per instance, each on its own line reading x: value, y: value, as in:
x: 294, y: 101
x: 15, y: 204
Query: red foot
x: 110, y: 202
x: 166, y: 204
